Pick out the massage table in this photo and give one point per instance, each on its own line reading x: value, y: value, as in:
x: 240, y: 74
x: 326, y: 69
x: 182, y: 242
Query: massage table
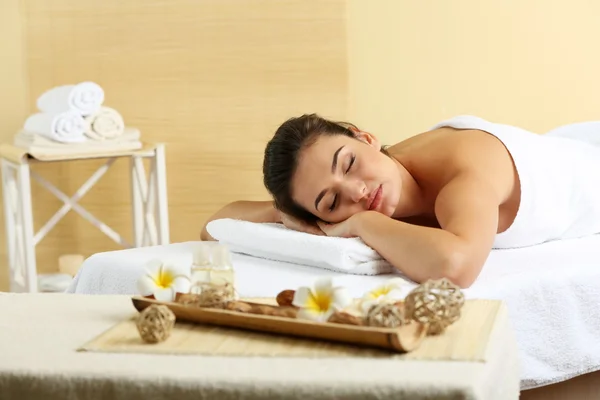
x: 551, y: 292
x: 40, y: 333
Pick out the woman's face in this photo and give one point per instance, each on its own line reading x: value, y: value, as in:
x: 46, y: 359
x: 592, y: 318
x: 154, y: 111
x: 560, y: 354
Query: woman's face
x: 339, y: 176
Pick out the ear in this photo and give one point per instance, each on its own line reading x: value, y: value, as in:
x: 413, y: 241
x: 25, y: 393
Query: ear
x: 367, y: 137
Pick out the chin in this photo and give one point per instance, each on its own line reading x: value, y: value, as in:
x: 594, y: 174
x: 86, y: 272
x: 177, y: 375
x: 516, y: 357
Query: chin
x: 388, y: 211
x: 383, y: 206
x: 391, y: 206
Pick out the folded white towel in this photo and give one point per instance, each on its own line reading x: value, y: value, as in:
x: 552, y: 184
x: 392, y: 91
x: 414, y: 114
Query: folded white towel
x: 83, y: 150
x: 106, y: 123
x: 88, y: 150
x: 276, y: 242
x: 130, y: 136
x: 84, y: 98
x: 64, y: 127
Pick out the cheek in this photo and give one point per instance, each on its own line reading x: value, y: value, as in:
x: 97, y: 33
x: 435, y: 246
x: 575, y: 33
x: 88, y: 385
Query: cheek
x: 373, y: 169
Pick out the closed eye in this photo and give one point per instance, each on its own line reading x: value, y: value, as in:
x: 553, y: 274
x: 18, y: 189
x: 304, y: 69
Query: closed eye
x: 333, y: 203
x: 351, y: 163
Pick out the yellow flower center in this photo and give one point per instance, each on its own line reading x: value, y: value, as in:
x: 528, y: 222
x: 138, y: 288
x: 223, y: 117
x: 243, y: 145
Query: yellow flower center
x: 164, y: 279
x: 381, y: 291
x: 319, y: 301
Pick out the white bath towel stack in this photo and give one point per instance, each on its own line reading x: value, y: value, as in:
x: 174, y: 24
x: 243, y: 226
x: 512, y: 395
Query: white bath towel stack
x: 73, y: 119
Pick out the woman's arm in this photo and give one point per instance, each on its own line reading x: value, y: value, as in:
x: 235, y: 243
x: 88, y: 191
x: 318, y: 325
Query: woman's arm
x: 253, y: 211
x: 467, y: 210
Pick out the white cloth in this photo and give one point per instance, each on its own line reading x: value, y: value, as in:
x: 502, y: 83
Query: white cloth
x: 40, y: 146
x: 106, y: 123
x: 583, y: 131
x: 62, y: 127
x: 84, y: 98
x: 559, y: 178
x: 551, y: 291
x: 116, y: 272
x: 27, y: 139
x: 276, y: 242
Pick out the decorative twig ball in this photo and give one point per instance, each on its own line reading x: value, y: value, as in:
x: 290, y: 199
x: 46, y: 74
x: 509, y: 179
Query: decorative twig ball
x: 155, y: 323
x: 386, y: 315
x: 436, y: 303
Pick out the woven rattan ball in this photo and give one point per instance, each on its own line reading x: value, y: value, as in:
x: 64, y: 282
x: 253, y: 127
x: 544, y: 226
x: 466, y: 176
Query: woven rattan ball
x: 155, y: 323
x: 386, y: 315
x: 436, y: 303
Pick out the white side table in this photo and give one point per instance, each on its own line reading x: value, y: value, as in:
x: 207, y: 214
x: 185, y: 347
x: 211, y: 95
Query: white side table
x: 149, y: 204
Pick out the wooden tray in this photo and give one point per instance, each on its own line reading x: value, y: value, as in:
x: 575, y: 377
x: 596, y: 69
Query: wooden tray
x: 403, y: 339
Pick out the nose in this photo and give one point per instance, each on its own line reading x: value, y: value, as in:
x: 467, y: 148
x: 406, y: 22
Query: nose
x: 357, y: 190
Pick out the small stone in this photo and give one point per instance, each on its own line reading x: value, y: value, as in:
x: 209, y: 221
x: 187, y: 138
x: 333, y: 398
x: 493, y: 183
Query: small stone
x: 341, y: 317
x: 188, y: 299
x: 286, y: 298
x: 238, y: 306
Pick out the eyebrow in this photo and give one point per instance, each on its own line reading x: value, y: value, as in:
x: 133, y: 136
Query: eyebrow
x: 333, y: 167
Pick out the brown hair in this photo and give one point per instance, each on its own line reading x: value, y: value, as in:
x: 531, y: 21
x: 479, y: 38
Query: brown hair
x: 282, y: 154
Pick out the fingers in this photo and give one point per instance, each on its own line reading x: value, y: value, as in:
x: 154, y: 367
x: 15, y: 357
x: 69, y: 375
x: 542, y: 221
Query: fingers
x: 302, y: 227
x: 314, y: 230
x: 323, y: 227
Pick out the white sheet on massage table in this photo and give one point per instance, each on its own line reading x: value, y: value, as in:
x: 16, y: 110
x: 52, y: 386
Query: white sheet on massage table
x: 552, y: 292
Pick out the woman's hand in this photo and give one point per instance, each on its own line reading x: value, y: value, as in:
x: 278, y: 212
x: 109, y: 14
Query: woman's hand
x: 345, y: 229
x: 301, y: 226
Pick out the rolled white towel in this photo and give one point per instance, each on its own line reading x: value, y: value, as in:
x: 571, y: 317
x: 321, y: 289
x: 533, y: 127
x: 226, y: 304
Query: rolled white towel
x: 84, y: 98
x: 106, y: 123
x: 65, y: 127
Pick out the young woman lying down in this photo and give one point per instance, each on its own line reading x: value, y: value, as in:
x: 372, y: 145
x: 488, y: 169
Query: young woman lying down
x: 433, y: 205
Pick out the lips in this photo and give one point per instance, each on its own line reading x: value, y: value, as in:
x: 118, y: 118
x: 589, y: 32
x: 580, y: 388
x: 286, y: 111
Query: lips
x: 374, y: 199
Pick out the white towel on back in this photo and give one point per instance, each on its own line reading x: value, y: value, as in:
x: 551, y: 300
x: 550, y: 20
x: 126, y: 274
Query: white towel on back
x: 559, y: 177
x: 62, y: 127
x: 276, y: 242
x: 85, y: 98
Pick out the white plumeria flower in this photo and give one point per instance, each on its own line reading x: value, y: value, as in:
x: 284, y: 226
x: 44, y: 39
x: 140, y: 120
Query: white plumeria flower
x: 319, y: 302
x: 390, y: 291
x: 164, y: 280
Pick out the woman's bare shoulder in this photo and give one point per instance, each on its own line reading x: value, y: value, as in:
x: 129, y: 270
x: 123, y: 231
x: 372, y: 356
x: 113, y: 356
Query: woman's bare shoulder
x: 458, y: 148
x: 435, y: 157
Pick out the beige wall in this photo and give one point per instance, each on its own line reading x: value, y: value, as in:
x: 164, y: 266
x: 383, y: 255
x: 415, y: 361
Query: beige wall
x: 210, y: 80
x: 530, y: 63
x: 13, y: 92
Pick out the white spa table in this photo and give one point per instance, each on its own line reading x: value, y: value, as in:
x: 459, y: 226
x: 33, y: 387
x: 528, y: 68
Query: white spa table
x: 39, y: 335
